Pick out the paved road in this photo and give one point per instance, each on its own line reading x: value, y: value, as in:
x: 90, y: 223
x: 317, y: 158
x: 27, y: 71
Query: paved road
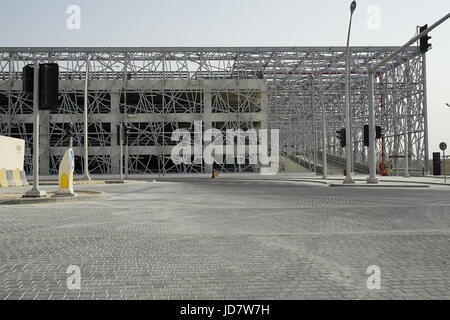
x: 181, y: 239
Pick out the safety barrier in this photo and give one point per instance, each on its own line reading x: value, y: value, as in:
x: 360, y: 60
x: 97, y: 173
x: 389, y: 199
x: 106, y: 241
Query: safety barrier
x: 13, y: 178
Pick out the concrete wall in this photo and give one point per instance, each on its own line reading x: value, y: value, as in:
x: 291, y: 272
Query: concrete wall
x: 109, y: 153
x: 12, y: 153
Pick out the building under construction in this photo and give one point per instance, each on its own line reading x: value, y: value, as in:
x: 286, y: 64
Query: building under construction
x: 298, y: 90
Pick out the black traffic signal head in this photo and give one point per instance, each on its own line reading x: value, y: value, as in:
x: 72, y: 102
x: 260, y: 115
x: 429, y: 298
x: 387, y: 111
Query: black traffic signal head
x: 379, y: 132
x: 125, y: 129
x: 118, y: 133
x: 28, y: 78
x: 424, y: 45
x: 366, y: 135
x: 341, y: 137
x: 48, y: 86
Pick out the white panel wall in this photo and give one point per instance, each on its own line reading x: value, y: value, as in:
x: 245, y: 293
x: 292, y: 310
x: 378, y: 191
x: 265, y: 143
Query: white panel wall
x: 12, y: 153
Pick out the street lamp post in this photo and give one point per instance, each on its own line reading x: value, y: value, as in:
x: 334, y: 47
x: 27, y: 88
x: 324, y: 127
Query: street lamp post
x: 324, y: 136
x: 348, y: 148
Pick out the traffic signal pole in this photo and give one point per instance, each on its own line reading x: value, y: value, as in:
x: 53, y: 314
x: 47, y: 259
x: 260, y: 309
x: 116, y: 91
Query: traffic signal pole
x: 425, y: 113
x: 371, y: 74
x: 406, y: 132
x: 324, y: 140
x: 85, y: 115
x: 372, y: 162
x: 121, y: 150
x: 35, y: 191
x: 445, y: 172
x: 406, y: 45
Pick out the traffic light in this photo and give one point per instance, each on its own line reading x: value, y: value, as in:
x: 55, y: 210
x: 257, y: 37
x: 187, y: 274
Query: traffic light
x: 424, y: 45
x: 379, y: 132
x: 124, y: 134
x: 341, y: 137
x: 118, y: 134
x: 366, y: 135
x: 48, y: 84
x: 27, y: 78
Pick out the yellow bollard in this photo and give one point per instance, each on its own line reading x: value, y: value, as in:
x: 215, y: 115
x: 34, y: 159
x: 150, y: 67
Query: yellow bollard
x: 66, y: 168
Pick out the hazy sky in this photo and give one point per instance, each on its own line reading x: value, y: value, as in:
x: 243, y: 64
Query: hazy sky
x: 240, y: 23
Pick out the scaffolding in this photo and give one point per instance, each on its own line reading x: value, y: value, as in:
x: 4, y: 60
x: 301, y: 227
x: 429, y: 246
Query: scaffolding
x: 158, y: 90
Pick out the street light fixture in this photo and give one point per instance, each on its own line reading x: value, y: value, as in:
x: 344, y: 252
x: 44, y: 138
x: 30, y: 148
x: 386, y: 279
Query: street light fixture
x: 348, y: 149
x: 352, y: 7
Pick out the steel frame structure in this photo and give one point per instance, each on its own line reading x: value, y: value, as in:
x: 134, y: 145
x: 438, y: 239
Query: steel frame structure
x: 157, y: 90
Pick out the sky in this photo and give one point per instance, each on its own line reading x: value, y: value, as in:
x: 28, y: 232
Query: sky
x: 142, y: 23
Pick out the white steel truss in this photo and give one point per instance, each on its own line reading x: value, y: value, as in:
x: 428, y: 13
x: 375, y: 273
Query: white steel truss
x: 158, y: 90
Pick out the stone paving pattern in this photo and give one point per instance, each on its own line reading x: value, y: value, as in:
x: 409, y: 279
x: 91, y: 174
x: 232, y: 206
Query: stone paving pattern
x: 226, y: 239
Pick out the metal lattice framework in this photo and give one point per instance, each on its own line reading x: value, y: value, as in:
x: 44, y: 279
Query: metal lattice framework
x: 158, y: 90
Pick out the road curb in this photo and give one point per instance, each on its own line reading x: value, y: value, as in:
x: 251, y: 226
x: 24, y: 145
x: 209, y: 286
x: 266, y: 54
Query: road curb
x: 382, y: 183
x: 92, y: 182
x: 369, y: 185
x: 420, y: 182
x: 90, y: 196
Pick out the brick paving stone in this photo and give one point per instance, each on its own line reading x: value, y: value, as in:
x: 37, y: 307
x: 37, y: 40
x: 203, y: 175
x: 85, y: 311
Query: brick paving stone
x: 198, y: 240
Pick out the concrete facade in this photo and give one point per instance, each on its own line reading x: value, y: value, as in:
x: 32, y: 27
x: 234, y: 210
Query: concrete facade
x: 153, y: 110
